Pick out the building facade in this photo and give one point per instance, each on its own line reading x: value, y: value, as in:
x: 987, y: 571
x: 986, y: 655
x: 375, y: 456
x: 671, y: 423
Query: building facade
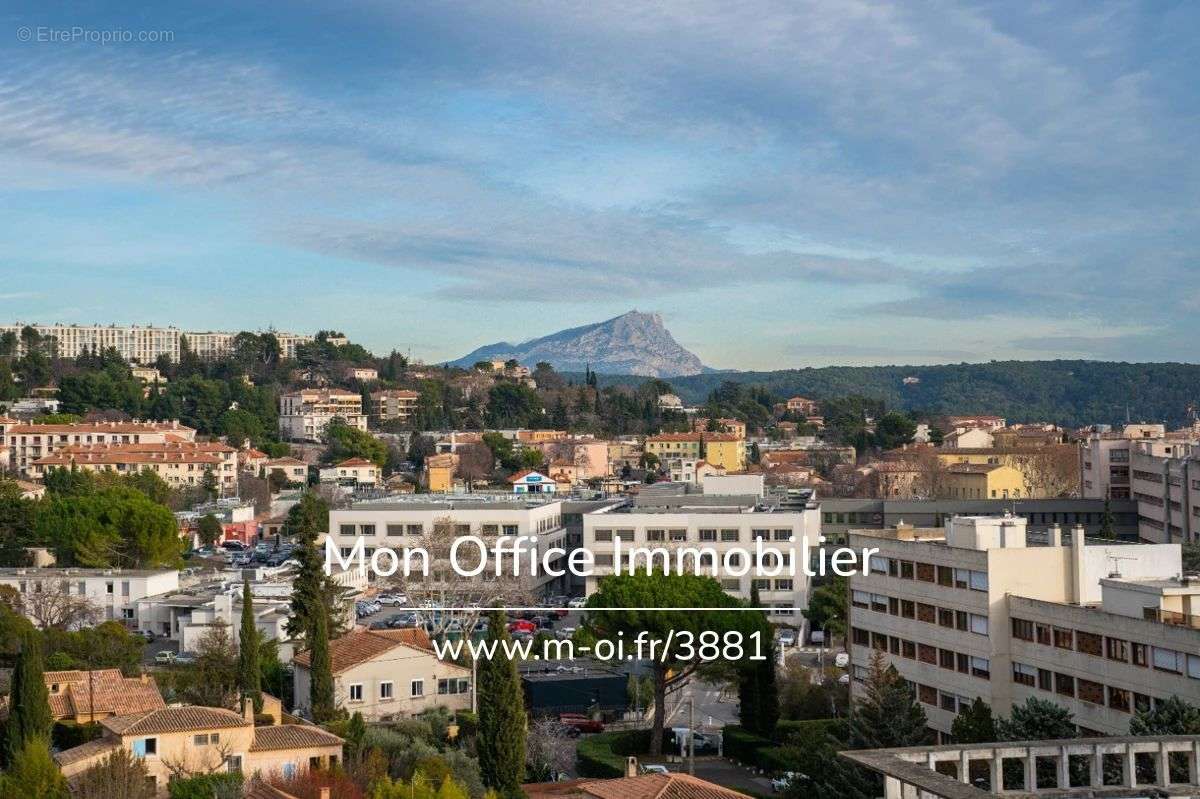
x: 304, y: 415
x: 143, y: 344
x: 26, y: 443
x: 394, y: 403
x: 113, y: 592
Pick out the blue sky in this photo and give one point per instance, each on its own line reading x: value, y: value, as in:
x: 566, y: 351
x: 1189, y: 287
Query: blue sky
x: 789, y: 184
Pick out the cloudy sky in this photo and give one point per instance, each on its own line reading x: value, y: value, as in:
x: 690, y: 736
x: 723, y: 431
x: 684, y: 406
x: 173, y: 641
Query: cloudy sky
x: 789, y: 184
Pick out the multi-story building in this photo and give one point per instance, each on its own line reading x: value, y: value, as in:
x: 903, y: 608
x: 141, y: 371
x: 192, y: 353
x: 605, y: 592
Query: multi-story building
x: 1104, y: 457
x: 178, y: 463
x: 723, y: 425
x: 1165, y: 481
x: 725, y: 450
x: 386, y: 675
x: 28, y: 442
x: 419, y: 521
x: 723, y: 529
x: 191, y: 739
x: 353, y: 471
x: 303, y: 415
x: 942, y: 607
x: 113, y: 592
x: 983, y: 481
x: 802, y: 406
x: 668, y: 446
x: 394, y: 403
x: 143, y: 344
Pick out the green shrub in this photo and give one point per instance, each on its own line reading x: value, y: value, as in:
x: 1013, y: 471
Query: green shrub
x: 68, y: 734
x: 207, y: 786
x: 603, y: 755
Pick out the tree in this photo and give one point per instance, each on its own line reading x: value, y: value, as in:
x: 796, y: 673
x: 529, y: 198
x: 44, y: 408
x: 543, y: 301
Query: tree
x: 419, y: 448
x: 209, y: 530
x: 501, y: 740
x: 894, y: 429
x: 32, y: 772
x: 209, y: 484
x: 673, y: 667
x: 758, y: 697
x: 212, y: 785
x: 118, y: 776
x: 215, y: 673
x: 17, y: 519
x: 827, y: 607
x: 29, y: 716
x: 356, y: 734
x: 55, y: 606
x: 344, y: 441
x: 1036, y: 720
x: 1170, y: 716
x: 974, y: 725
x: 1107, y: 526
x: 550, y: 751
x: 512, y: 405
x: 475, y: 462
x: 320, y: 692
x: 249, y: 672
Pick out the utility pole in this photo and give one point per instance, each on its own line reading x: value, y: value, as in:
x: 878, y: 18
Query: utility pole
x: 474, y: 688
x: 691, y: 734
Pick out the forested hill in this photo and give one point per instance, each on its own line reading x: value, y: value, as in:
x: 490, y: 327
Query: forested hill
x: 1070, y: 393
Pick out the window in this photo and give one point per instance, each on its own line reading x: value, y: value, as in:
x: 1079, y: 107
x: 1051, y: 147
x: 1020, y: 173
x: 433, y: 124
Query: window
x: 906, y: 570
x: 418, y: 688
x: 1064, y: 684
x: 926, y: 613
x: 1091, y: 691
x: 455, y: 685
x: 233, y: 764
x: 203, y: 739
x: 1117, y: 649
x: 927, y: 694
x: 1063, y: 638
x: 416, y: 529
x: 730, y: 535
x: 981, y: 667
x: 1089, y: 643
x: 783, y: 535
x: 346, y: 529
x: 392, y: 530
x: 708, y: 535
x: 946, y: 659
x: 949, y: 702
x: 979, y: 581
x: 783, y: 585
x: 860, y: 599
x: 979, y: 624
x: 145, y: 747
x: 1141, y: 657
x: 926, y: 572
x: 945, y: 576
x: 860, y: 636
x: 1168, y: 660
x: 908, y: 608
x: 926, y: 653
x: 366, y: 529
x: 879, y: 641
x: 962, y: 578
x: 1025, y: 675
x: 356, y: 692
x: 1118, y: 699
x: 385, y: 690
x: 606, y: 535
x: 879, y: 603
x: 879, y: 565
x: 908, y: 650
x: 1045, y: 680
x: 945, y: 618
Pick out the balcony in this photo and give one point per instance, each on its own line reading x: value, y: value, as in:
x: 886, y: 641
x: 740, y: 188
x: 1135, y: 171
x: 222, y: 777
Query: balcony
x: 1171, y: 617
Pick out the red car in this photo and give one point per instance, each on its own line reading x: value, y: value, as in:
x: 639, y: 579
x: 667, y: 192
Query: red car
x: 522, y: 626
x: 580, y: 722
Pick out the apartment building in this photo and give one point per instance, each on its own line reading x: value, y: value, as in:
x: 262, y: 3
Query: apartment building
x: 418, y: 521
x: 143, y: 344
x: 983, y: 481
x: 353, y: 471
x: 1104, y: 456
x: 725, y: 450
x: 114, y: 592
x: 723, y: 528
x: 394, y: 404
x: 178, y: 463
x: 940, y: 605
x: 669, y: 446
x: 387, y: 675
x: 199, y: 740
x: 1165, y: 483
x: 303, y: 415
x: 28, y: 442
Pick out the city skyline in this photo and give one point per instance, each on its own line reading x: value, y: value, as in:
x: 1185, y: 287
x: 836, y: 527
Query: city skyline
x: 844, y: 183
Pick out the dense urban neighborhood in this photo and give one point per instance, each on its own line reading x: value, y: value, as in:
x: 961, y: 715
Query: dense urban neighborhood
x: 184, y: 519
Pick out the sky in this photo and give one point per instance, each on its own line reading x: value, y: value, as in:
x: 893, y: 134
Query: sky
x: 789, y: 184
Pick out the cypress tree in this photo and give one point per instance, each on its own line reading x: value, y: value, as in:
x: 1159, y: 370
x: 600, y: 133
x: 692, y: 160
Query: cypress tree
x: 758, y: 692
x: 28, y: 702
x: 748, y: 689
x: 320, y: 670
x: 975, y: 725
x: 501, y: 739
x: 33, y: 773
x: 249, y: 672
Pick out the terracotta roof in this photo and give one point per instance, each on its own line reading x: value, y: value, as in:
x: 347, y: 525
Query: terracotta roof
x: 111, y: 457
x: 100, y: 427
x: 722, y: 437
x: 669, y: 437
x: 100, y: 746
x: 521, y: 475
x: 356, y: 462
x: 360, y: 646
x: 644, y: 786
x: 253, y: 453
x: 176, y: 445
x: 111, y: 692
x: 174, y: 719
x: 395, y: 392
x: 9, y: 420
x: 292, y: 736
x: 257, y: 789
x: 286, y: 461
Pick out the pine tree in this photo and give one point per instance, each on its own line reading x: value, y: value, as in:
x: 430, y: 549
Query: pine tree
x: 1171, y: 716
x: 1036, y: 720
x: 974, y: 725
x: 249, y: 672
x: 1107, y: 528
x: 356, y: 734
x: 320, y: 670
x: 33, y: 773
x: 29, y: 703
x: 501, y: 738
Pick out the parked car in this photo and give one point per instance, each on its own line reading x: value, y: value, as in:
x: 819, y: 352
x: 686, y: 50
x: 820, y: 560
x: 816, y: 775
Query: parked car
x: 147, y: 634
x: 233, y: 545
x: 580, y: 722
x: 577, y: 602
x: 787, y: 637
x: 841, y: 660
x: 564, y: 632
x: 165, y: 656
x: 392, y: 600
x: 522, y: 626
x: 653, y: 768
x: 184, y: 658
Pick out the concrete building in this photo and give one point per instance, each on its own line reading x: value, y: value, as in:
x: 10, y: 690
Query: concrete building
x: 668, y: 446
x: 356, y: 471
x: 142, y: 344
x: 294, y: 469
x: 439, y: 472
x: 113, y: 592
x: 387, y: 675
x: 28, y: 442
x: 1104, y: 457
x: 199, y: 740
x: 983, y: 481
x: 178, y: 463
x: 948, y: 608
x: 303, y: 415
x: 968, y: 438
x: 723, y: 529
x: 725, y: 450
x: 394, y: 404
x: 1165, y: 483
x: 422, y: 521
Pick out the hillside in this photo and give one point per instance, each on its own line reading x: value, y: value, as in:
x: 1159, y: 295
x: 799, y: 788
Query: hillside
x: 633, y: 343
x: 1070, y: 393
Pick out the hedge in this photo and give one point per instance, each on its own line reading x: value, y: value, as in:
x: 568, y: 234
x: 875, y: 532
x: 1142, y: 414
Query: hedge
x: 206, y: 786
x: 603, y: 755
x: 779, y: 753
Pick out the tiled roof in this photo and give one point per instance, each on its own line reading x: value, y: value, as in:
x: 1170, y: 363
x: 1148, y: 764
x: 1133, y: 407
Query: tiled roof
x: 257, y: 789
x: 286, y: 461
x: 292, y: 736
x: 356, y: 462
x: 673, y: 437
x: 644, y: 786
x: 100, y: 746
x: 99, y: 427
x: 113, y: 456
x: 360, y: 646
x: 521, y: 475
x: 722, y: 437
x: 107, y: 688
x: 174, y: 719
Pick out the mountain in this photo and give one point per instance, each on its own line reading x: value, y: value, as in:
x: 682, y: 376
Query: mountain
x: 633, y: 343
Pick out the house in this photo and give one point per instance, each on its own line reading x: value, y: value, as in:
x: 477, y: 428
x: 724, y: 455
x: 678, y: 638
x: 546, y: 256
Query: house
x: 802, y: 406
x: 723, y: 425
x: 252, y: 460
x: 725, y: 451
x: 667, y: 446
x: 179, y: 463
x: 296, y: 471
x: 633, y: 786
x: 387, y: 674
x: 983, y: 481
x: 394, y: 403
x: 196, y: 739
x: 528, y: 481
x: 358, y: 470
x: 303, y: 415
x: 28, y: 442
x: 362, y: 373
x: 439, y: 472
x: 83, y: 697
x: 112, y: 592
x: 969, y: 438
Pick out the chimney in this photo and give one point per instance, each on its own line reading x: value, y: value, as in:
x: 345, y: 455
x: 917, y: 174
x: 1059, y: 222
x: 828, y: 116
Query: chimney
x: 1054, y: 536
x: 631, y: 766
x: 248, y: 709
x: 323, y: 793
x: 1077, y: 545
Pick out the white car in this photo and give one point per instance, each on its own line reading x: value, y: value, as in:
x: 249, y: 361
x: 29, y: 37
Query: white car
x: 842, y: 660
x: 787, y: 637
x: 781, y: 783
x: 654, y: 768
x: 577, y: 602
x: 392, y: 600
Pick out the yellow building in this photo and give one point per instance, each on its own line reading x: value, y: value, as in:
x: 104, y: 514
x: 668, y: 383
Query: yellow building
x: 439, y: 472
x: 983, y: 481
x: 725, y: 451
x: 668, y: 446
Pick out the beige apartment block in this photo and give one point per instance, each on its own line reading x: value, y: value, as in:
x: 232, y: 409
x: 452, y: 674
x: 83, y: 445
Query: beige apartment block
x: 26, y: 443
x: 179, y: 464
x: 303, y: 415
x: 394, y: 403
x: 940, y: 603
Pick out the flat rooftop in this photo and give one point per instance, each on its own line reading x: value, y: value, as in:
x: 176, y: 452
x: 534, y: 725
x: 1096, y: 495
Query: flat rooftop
x: 422, y: 502
x: 71, y: 571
